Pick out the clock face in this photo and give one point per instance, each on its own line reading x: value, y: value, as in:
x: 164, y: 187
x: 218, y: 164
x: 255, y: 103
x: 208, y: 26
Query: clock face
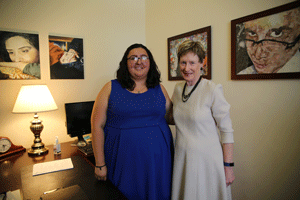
x: 5, y: 144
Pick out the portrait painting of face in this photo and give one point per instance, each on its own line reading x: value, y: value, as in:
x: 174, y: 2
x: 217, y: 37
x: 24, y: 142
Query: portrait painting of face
x: 272, y: 41
x: 19, y: 55
x: 268, y: 44
x: 19, y: 49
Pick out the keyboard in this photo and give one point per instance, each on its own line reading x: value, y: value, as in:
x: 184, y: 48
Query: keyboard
x: 87, y: 150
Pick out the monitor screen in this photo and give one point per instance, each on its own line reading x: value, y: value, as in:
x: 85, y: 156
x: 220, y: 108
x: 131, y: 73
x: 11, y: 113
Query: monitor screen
x: 78, y: 116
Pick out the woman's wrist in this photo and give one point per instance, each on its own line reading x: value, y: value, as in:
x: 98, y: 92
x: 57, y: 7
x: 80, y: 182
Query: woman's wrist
x: 100, y: 167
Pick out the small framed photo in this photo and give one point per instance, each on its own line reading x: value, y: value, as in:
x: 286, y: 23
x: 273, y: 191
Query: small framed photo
x: 66, y: 57
x: 266, y: 45
x: 202, y: 35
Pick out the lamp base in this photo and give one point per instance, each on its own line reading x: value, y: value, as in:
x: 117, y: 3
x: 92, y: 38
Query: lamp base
x: 38, y: 148
x: 38, y: 152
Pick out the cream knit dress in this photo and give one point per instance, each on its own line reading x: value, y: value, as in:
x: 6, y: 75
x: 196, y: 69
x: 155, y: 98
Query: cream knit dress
x: 198, y: 164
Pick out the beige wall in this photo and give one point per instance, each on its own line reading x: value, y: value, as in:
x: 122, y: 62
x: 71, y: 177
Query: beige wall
x: 265, y: 113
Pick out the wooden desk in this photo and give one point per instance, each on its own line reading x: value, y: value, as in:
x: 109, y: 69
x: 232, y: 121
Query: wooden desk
x: 11, y: 168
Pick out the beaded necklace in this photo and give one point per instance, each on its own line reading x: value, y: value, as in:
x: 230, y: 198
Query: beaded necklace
x: 186, y: 97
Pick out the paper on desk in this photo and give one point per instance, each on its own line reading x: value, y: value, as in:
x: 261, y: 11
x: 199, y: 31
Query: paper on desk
x: 52, y: 166
x: 13, y: 195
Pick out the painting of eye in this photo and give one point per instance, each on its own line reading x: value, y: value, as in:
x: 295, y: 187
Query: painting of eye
x: 251, y: 33
x: 276, y: 33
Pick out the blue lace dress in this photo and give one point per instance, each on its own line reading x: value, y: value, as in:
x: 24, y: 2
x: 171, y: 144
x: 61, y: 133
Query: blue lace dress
x: 138, y: 143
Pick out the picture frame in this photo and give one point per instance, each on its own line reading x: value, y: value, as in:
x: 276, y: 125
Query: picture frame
x: 19, y: 55
x: 203, y: 35
x: 66, y: 57
x: 272, y: 53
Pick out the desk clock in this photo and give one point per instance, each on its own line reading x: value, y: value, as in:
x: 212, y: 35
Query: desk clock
x: 7, y: 148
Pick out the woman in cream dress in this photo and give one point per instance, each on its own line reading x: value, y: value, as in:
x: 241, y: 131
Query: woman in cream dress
x: 203, y: 164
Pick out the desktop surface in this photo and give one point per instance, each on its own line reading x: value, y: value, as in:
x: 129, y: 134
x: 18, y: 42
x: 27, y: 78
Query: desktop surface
x: 82, y: 175
x: 74, y: 192
x: 10, y: 167
x: 16, y: 173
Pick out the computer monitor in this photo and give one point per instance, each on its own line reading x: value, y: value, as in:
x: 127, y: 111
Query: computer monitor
x: 78, y: 119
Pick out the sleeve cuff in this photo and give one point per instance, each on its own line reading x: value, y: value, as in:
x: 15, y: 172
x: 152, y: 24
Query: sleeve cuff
x: 227, y: 137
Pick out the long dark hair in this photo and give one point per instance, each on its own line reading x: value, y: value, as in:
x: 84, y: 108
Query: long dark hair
x: 123, y: 75
x: 33, y: 39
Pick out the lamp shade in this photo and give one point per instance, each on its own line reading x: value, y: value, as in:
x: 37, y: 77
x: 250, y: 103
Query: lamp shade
x: 34, y: 99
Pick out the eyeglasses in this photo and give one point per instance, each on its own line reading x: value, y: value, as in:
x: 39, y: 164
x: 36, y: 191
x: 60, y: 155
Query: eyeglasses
x: 184, y: 63
x: 271, y: 42
x: 135, y: 58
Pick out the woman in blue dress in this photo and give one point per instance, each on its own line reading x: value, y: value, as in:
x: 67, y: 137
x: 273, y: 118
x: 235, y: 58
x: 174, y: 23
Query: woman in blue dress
x: 132, y: 142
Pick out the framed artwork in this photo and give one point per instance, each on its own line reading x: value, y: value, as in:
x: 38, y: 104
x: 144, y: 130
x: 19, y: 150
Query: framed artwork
x: 19, y: 56
x: 202, y: 35
x: 66, y: 57
x: 265, y: 45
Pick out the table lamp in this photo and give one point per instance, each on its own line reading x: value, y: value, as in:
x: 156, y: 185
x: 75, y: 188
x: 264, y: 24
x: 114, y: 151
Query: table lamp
x: 34, y: 99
